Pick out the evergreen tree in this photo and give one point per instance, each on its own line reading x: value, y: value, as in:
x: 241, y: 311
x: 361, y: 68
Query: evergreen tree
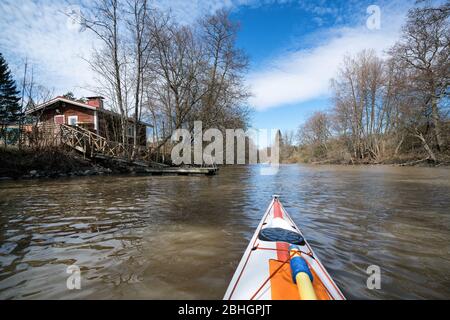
x: 9, y: 95
x: 69, y: 95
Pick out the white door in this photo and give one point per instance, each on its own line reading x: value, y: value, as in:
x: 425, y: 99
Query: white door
x: 72, y: 120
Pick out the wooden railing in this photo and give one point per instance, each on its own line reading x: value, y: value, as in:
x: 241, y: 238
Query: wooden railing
x: 92, y: 144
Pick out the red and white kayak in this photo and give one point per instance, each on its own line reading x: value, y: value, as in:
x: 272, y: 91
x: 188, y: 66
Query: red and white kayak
x: 279, y: 264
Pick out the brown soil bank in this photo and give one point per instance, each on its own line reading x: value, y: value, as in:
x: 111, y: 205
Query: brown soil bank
x: 49, y: 162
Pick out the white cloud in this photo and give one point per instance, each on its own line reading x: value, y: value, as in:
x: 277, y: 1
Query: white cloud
x: 296, y: 77
x: 39, y: 31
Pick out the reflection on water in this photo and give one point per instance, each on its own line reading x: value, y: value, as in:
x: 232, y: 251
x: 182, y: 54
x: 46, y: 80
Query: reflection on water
x: 182, y: 237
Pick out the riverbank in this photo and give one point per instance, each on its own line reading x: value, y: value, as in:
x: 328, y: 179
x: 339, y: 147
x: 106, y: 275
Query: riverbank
x: 48, y: 163
x: 392, y: 162
x: 403, y: 161
x: 58, y: 162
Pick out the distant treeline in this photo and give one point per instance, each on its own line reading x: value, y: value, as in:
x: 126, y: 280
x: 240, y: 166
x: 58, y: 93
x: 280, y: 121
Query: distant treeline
x: 386, y: 110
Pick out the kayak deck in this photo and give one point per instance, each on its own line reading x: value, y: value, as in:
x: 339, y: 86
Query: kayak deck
x: 264, y: 272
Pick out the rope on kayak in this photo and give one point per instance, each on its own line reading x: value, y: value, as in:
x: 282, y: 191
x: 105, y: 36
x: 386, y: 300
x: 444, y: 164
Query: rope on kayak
x: 240, y: 274
x: 250, y: 253
x: 273, y: 273
x: 279, y: 268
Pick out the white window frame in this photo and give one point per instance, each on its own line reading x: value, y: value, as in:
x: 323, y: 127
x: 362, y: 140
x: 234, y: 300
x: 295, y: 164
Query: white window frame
x: 133, y: 128
x: 71, y: 117
x: 96, y: 121
x: 59, y: 115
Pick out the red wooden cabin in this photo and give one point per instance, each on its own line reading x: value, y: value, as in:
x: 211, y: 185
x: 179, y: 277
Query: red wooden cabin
x: 90, y: 115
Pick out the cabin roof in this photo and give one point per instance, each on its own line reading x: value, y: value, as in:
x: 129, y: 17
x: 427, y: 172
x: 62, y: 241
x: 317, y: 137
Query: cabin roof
x: 62, y: 99
x: 79, y: 104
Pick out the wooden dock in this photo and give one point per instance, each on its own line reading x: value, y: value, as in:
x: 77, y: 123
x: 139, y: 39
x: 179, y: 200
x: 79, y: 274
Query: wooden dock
x: 209, y: 171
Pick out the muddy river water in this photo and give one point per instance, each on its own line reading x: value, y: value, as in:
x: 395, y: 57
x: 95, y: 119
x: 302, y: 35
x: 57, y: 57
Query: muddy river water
x: 181, y: 237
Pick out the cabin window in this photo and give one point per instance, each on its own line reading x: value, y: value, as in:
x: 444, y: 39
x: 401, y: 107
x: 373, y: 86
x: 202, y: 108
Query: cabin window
x: 72, y: 120
x: 130, y: 131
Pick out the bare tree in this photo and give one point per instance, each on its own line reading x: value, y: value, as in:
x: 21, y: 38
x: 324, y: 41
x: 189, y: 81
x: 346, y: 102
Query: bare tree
x: 176, y: 73
x: 140, y: 25
x: 425, y: 49
x: 109, y: 62
x: 316, y: 130
x: 360, y: 102
x: 385, y: 106
x: 225, y: 65
x: 178, y: 65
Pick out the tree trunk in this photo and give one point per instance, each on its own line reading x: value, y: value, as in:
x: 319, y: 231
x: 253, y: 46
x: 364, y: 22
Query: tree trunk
x: 397, y: 149
x: 426, y: 146
x: 436, y: 123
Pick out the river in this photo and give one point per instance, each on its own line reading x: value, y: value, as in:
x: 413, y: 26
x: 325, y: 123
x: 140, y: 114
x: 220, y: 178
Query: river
x: 181, y: 237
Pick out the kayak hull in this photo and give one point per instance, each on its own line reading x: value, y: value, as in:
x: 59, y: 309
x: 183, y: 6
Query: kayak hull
x: 264, y: 272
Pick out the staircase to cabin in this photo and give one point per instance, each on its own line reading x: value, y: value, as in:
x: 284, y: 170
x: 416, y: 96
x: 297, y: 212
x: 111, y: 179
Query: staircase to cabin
x: 93, y: 145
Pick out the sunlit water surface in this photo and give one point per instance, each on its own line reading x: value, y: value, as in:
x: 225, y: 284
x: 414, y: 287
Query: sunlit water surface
x: 181, y: 237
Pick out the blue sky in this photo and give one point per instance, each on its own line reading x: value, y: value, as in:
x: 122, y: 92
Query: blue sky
x: 267, y: 32
x: 295, y: 47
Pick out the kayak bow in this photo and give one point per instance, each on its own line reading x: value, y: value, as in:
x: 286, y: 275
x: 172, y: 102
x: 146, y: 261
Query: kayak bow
x: 279, y: 264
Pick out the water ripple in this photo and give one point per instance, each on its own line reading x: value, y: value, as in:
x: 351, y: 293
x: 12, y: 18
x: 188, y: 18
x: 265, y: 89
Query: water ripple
x: 182, y: 237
